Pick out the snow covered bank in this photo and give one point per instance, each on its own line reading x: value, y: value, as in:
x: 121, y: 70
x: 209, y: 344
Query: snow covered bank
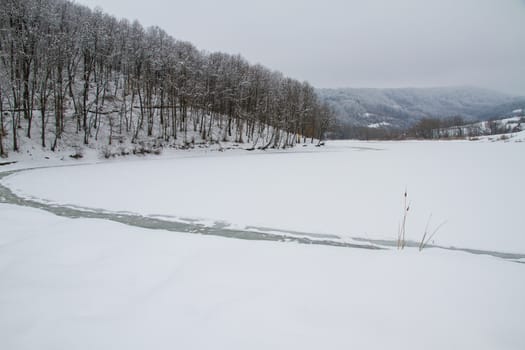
x: 351, y: 189
x: 92, y: 284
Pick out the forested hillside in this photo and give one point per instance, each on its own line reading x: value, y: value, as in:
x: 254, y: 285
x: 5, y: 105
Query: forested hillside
x: 70, y: 73
x: 402, y: 108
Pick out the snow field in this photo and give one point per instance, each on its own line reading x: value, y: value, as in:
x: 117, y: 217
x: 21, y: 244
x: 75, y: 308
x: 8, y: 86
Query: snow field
x: 351, y: 189
x: 86, y: 284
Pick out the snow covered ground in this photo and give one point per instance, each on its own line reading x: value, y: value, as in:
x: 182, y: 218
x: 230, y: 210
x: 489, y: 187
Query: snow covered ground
x: 95, y: 284
x: 350, y: 189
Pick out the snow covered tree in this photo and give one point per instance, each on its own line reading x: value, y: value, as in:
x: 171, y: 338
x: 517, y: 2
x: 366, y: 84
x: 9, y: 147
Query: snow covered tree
x: 87, y: 71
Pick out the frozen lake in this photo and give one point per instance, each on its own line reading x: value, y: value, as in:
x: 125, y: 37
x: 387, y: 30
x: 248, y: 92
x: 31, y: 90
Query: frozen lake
x: 348, y: 189
x: 84, y: 281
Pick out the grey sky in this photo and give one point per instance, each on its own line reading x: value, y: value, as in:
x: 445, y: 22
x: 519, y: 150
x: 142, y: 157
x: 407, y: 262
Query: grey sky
x: 351, y: 43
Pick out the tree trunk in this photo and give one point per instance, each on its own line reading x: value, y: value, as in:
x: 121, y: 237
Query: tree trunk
x: 2, y: 151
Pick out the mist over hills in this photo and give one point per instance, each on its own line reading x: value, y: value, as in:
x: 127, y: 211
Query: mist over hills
x: 402, y: 107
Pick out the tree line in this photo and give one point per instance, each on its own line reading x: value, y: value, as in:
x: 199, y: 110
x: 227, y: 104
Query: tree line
x: 77, y: 70
x: 424, y: 128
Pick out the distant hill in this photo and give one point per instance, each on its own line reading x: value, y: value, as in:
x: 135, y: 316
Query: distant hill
x: 401, y: 108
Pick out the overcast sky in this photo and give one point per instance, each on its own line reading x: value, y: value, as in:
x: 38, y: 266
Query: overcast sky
x: 354, y: 43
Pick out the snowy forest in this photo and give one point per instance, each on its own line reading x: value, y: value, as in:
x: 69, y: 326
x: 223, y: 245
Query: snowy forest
x: 69, y: 71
